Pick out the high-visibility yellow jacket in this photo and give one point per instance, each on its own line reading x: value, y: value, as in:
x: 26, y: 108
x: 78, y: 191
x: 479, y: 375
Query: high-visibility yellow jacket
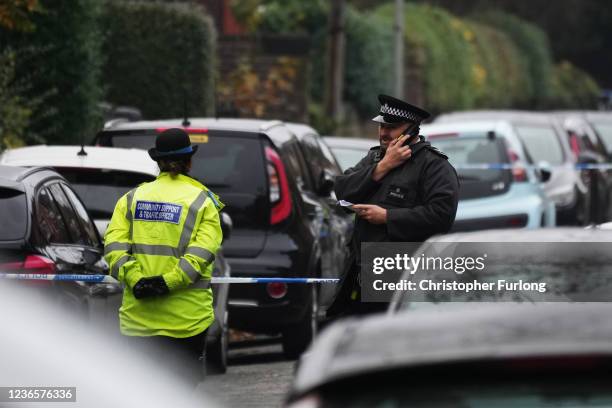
x: 168, y: 227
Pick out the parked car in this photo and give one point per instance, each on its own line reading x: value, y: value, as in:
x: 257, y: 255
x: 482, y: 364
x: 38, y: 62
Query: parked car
x: 349, y: 150
x: 528, y: 355
x: 40, y: 344
x: 574, y: 263
x: 539, y: 142
x: 47, y: 230
x: 590, y: 148
x: 492, y: 198
x: 100, y: 176
x: 277, y: 189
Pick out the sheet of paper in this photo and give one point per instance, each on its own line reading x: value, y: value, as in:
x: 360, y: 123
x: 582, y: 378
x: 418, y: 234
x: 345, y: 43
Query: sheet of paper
x: 346, y: 204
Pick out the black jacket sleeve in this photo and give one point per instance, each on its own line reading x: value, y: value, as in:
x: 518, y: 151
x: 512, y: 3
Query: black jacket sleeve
x: 437, y: 214
x: 356, y: 184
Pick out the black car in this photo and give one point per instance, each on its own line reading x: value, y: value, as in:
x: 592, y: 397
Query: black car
x: 47, y: 230
x: 277, y: 188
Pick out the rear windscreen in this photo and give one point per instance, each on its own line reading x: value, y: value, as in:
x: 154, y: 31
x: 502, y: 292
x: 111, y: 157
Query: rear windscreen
x: 13, y: 217
x: 223, y: 162
x: 542, y: 143
x: 101, y: 189
x: 470, y: 150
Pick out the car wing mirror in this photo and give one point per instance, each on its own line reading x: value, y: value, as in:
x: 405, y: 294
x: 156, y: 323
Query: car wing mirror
x: 226, y: 225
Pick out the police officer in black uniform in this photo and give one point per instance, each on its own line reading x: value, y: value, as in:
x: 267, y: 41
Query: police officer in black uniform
x: 404, y: 190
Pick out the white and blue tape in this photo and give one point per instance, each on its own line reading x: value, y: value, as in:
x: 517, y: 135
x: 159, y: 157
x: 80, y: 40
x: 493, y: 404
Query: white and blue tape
x: 110, y: 279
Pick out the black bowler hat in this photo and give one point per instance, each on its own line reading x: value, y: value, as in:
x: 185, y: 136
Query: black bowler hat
x: 172, y: 144
x: 393, y: 110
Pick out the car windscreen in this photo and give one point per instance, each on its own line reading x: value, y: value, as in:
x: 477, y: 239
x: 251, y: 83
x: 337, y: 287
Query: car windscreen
x: 348, y: 157
x: 101, y: 189
x: 541, y: 142
x: 605, y: 131
x: 14, y: 216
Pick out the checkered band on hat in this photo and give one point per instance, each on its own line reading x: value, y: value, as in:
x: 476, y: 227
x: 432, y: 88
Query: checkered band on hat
x: 388, y: 110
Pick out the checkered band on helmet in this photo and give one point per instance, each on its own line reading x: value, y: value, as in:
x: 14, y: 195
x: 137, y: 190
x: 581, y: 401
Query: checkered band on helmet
x: 388, y: 110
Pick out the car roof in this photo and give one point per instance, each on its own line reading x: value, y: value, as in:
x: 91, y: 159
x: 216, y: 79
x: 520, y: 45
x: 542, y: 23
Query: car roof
x: 245, y: 125
x: 496, y: 115
x: 559, y: 234
x: 12, y: 173
x: 109, y: 158
x: 356, y: 143
x: 470, y: 334
x: 472, y: 125
x: 300, y: 129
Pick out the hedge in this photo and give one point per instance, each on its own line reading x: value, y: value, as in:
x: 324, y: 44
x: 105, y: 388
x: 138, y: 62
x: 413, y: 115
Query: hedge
x: 60, y: 63
x: 160, y: 58
x: 535, y: 49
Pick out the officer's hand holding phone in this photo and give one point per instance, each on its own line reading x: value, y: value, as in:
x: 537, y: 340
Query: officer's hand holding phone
x: 396, y: 154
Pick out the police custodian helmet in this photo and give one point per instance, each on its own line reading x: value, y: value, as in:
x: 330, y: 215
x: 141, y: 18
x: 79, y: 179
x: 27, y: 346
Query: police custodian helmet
x: 393, y: 110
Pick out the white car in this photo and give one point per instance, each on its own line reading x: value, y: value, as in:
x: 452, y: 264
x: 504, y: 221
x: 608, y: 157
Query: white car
x: 99, y: 175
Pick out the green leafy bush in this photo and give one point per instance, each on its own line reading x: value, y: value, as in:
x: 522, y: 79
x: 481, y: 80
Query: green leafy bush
x: 61, y: 66
x: 160, y: 58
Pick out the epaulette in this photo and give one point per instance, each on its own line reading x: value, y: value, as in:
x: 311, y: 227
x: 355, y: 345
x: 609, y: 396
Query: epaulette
x: 436, y: 151
x: 376, y: 152
x: 215, y: 199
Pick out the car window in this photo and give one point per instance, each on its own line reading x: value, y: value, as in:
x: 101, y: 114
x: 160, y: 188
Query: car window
x: 605, y: 132
x: 101, y: 189
x: 348, y: 157
x: 69, y: 215
x: 329, y: 159
x: 473, y: 149
x: 297, y: 167
x: 314, y: 157
x: 14, y: 215
x: 50, y: 224
x: 224, y: 161
x: 86, y: 222
x: 541, y: 142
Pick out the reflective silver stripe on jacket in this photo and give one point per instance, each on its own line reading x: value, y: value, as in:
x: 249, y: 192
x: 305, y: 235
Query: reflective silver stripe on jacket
x: 205, y: 254
x: 149, y: 249
x: 190, y: 221
x: 119, y: 264
x: 201, y: 284
x: 189, y: 270
x: 128, y: 214
x: 117, y: 246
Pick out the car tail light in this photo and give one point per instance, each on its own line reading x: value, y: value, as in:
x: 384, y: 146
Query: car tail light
x: 518, y: 173
x: 276, y: 290
x: 574, y: 145
x: 33, y: 264
x: 280, y: 196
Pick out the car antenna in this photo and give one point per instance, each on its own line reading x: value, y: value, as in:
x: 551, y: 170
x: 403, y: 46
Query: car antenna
x: 491, y: 135
x: 82, y: 152
x: 186, y: 122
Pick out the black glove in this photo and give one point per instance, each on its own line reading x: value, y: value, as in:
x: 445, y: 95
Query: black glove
x: 149, y: 287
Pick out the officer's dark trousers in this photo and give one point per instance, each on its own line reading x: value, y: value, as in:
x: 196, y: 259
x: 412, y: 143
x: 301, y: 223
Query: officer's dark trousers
x: 348, y: 297
x: 184, y: 358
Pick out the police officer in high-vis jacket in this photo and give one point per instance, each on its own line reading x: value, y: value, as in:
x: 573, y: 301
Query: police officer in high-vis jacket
x: 404, y: 190
x: 161, y: 244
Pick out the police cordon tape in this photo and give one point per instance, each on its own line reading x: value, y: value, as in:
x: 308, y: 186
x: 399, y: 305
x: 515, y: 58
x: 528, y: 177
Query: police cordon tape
x: 510, y: 166
x: 110, y: 279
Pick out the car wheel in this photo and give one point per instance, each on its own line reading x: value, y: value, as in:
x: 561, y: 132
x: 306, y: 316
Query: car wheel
x: 216, y: 361
x: 297, y: 337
